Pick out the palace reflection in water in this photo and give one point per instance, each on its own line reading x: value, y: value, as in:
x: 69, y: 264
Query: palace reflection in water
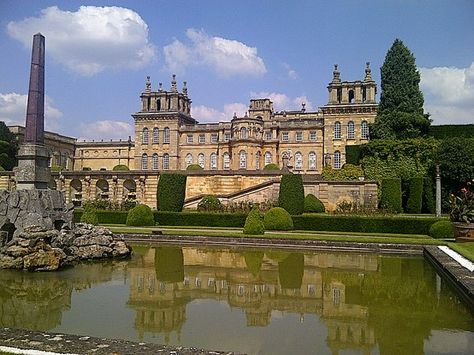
x: 365, y: 302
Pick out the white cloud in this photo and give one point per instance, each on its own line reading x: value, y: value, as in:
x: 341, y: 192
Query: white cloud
x: 208, y: 114
x: 106, y: 129
x: 90, y: 40
x: 449, y: 94
x: 226, y: 57
x: 284, y: 102
x: 13, y: 111
x: 292, y: 74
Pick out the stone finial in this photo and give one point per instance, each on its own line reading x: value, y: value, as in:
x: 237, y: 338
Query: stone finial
x: 303, y: 107
x: 148, y: 85
x: 246, y: 114
x: 174, y: 87
x: 160, y: 86
x: 336, y: 75
x: 368, y: 72
x: 185, y: 89
x: 235, y: 115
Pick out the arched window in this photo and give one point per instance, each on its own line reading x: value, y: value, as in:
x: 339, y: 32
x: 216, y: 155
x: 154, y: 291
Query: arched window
x: 337, y: 130
x: 257, y: 160
x: 166, y: 135
x: 242, y: 160
x: 166, y: 161
x: 213, y: 161
x: 268, y: 158
x: 312, y: 161
x: 243, y: 133
x: 364, y: 130
x: 155, y: 162
x: 350, y: 130
x: 189, y: 159
x: 156, y: 135
x: 201, y: 160
x: 298, y: 161
x: 145, y: 136
x: 226, y: 161
x: 337, y: 159
x: 144, y: 161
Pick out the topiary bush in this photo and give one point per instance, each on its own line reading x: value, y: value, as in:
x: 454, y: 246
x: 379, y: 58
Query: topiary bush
x: 313, y: 204
x: 89, y: 215
x: 291, y: 195
x: 140, y: 215
x: 120, y: 167
x: 171, y: 192
x: 278, y: 219
x: 210, y: 203
x: 194, y: 167
x: 253, y: 222
x: 391, y: 195
x: 271, y: 166
x: 415, y: 195
x: 442, y: 230
x: 428, y: 201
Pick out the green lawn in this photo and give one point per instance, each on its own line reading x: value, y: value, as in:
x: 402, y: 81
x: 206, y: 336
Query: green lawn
x: 465, y: 249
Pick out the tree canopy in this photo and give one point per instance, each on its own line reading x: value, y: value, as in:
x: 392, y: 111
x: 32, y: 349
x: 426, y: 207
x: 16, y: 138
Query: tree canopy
x: 8, y: 148
x: 400, y: 113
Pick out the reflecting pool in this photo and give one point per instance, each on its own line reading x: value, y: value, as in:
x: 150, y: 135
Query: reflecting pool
x: 251, y: 301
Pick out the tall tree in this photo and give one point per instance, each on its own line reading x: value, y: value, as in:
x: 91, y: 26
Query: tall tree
x: 8, y: 148
x: 400, y: 114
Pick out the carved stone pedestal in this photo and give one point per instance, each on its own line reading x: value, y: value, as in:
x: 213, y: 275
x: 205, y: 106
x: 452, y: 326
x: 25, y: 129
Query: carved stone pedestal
x: 33, y: 170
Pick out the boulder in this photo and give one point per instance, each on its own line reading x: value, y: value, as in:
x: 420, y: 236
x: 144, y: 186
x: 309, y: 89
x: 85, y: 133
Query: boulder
x: 10, y: 262
x: 42, y: 260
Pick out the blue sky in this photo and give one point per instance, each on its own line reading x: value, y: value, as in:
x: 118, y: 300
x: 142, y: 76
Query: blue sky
x: 98, y: 54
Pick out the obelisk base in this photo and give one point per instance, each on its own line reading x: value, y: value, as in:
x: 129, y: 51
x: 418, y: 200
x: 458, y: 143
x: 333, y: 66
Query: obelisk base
x: 33, y: 171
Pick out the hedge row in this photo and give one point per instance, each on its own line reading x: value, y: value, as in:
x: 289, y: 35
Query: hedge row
x: 171, y: 191
x: 415, y: 195
x: 449, y: 131
x: 329, y: 223
x: 391, y: 195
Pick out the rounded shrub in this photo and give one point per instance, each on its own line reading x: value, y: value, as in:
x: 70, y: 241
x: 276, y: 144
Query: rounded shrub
x: 253, y: 223
x: 194, y: 167
x: 442, y: 230
x: 278, y: 219
x: 313, y: 204
x: 271, y: 166
x: 291, y: 194
x: 120, y: 167
x: 210, y: 203
x: 140, y: 215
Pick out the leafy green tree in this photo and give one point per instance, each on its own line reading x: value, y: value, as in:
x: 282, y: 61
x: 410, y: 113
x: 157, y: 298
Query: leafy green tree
x: 400, y: 114
x: 8, y: 147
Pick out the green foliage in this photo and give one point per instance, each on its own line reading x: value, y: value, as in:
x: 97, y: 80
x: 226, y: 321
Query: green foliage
x: 353, y: 154
x: 271, y: 166
x: 391, y: 195
x: 451, y: 131
x: 253, y: 261
x: 347, y: 173
x: 120, y: 167
x: 254, y: 223
x: 400, y: 113
x: 204, y: 219
x: 86, y: 168
x: 428, y: 202
x: 139, y: 216
x: 169, y: 264
x: 90, y: 216
x: 110, y: 205
x: 364, y: 224
x: 171, y: 192
x: 2, y: 168
x: 56, y: 168
x: 291, y: 270
x: 291, y: 195
x: 442, y: 230
x: 194, y: 167
x: 8, y: 148
x: 278, y: 219
x: 313, y: 204
x: 210, y: 203
x: 415, y: 195
x: 462, y: 205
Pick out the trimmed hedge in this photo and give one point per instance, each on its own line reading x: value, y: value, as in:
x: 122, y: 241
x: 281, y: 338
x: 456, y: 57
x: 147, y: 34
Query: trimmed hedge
x: 194, y: 167
x: 278, y: 219
x: 313, y: 204
x: 90, y: 216
x: 120, y: 167
x: 271, y: 166
x: 254, y: 223
x: 428, y: 202
x: 291, y: 195
x: 450, y: 131
x: 391, y: 195
x: 365, y: 224
x: 171, y: 192
x: 353, y: 154
x: 140, y: 215
x: 415, y: 195
x: 442, y: 229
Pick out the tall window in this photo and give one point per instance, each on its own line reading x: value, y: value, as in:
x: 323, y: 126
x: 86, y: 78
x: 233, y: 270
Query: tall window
x: 213, y: 161
x: 243, y: 133
x: 202, y: 138
x: 156, y: 135
x: 364, y: 130
x: 268, y: 158
x: 226, y: 137
x: 189, y: 138
x: 201, y: 160
x: 312, y: 136
x: 214, y: 137
x: 312, y: 161
x: 242, y: 160
x: 337, y: 159
x: 144, y: 161
x: 284, y: 137
x: 145, y: 136
x: 337, y: 130
x: 226, y: 161
x: 299, y: 136
x: 166, y: 136
x: 155, y: 161
x: 350, y: 130
x: 268, y: 135
x: 257, y: 160
x: 298, y: 161
x: 166, y: 161
x: 189, y: 159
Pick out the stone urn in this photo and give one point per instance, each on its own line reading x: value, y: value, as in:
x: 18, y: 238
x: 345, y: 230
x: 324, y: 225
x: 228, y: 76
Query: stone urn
x: 464, y: 232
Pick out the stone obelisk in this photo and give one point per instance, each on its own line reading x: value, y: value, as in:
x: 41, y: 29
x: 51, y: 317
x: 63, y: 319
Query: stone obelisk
x: 33, y: 170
